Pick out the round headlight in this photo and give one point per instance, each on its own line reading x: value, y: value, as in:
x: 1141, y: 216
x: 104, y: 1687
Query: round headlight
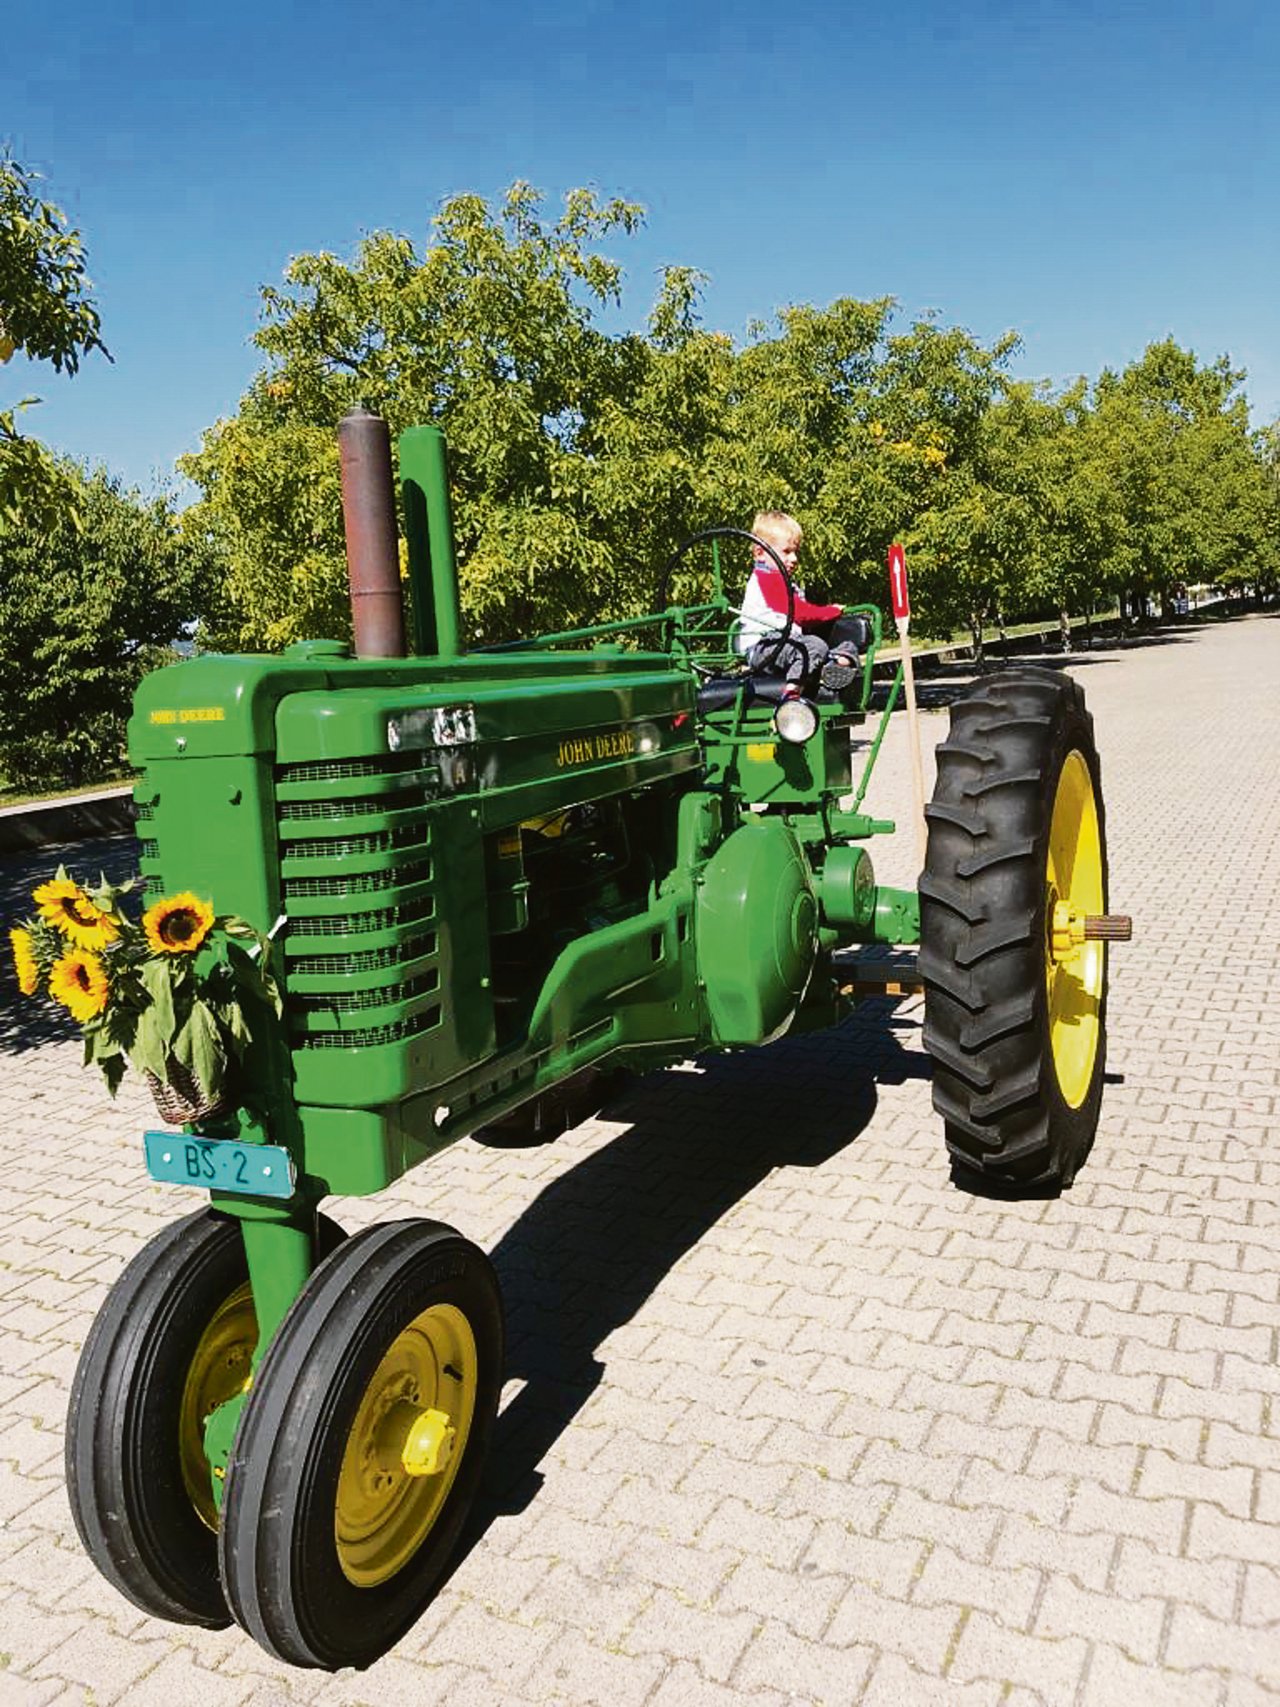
x: 795, y: 720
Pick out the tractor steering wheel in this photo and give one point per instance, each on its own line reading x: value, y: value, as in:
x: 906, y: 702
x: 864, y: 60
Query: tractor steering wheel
x: 783, y: 636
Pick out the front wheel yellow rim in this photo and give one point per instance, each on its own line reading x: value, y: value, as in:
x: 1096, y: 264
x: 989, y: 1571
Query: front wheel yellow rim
x: 1075, y: 970
x: 405, y: 1446
x: 221, y: 1367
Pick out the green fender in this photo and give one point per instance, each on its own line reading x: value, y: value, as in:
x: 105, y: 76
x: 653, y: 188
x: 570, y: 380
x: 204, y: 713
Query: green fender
x: 756, y: 926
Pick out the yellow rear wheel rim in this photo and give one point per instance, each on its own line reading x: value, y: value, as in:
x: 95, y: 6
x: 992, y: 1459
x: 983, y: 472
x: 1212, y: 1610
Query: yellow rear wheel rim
x: 220, y: 1368
x: 392, y: 1487
x: 1076, y: 977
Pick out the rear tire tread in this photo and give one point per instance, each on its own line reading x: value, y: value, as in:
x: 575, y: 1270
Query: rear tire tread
x: 983, y: 932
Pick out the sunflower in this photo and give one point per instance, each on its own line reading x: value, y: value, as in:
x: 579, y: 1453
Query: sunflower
x: 178, y: 924
x: 64, y: 905
x: 79, y: 982
x: 24, y: 960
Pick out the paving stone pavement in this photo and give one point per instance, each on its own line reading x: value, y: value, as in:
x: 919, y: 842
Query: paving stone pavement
x: 789, y: 1418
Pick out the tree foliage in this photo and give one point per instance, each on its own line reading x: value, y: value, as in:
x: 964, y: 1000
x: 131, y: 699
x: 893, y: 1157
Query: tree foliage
x: 45, y: 312
x: 582, y: 455
x: 579, y: 456
x: 86, y: 608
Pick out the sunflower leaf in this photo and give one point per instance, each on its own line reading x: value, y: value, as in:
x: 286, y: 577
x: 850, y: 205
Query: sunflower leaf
x: 158, y: 983
x: 199, y: 1046
x: 150, y: 1048
x: 233, y: 925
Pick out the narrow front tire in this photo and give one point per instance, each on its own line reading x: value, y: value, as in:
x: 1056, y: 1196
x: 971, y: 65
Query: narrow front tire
x: 361, y: 1446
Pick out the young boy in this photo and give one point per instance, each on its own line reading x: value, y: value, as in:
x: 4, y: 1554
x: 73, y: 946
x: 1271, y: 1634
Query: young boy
x: 819, y: 646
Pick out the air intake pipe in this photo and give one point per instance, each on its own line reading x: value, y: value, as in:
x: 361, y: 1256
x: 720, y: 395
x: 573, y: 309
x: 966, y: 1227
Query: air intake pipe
x: 428, y: 531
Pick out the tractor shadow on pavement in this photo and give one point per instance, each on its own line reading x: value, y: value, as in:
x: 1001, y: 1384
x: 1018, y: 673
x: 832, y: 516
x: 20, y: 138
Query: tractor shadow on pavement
x: 597, y: 1242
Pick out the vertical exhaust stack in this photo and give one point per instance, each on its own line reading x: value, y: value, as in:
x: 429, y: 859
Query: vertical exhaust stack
x: 373, y: 552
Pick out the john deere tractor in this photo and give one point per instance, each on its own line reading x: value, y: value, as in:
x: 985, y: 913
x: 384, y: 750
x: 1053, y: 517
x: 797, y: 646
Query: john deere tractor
x: 494, y: 879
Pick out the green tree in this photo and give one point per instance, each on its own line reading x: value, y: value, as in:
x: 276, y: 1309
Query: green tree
x: 86, y: 608
x: 580, y: 456
x: 1054, y: 497
x: 1189, y: 477
x: 490, y: 334
x: 863, y: 432
x: 1267, y: 444
x: 46, y: 313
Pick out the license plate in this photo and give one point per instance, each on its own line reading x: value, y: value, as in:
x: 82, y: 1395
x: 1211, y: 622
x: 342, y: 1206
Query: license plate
x: 220, y: 1164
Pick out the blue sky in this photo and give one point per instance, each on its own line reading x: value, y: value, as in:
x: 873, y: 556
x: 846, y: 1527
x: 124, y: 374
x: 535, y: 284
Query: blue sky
x: 1092, y: 175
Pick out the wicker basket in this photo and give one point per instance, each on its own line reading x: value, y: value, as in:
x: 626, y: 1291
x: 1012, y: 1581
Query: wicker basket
x: 179, y: 1098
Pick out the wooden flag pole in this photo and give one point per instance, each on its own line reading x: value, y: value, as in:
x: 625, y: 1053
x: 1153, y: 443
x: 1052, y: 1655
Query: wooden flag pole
x: 901, y: 600
x: 913, y: 732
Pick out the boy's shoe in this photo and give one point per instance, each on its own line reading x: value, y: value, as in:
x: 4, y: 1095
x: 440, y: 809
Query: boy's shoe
x: 838, y: 672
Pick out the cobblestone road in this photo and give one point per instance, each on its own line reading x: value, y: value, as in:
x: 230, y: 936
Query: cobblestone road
x: 790, y: 1419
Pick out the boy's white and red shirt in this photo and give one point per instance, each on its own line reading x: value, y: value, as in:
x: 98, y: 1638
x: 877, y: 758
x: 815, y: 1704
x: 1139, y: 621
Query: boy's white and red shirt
x: 764, y: 607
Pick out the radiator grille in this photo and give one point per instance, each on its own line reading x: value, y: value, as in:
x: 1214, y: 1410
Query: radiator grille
x: 378, y: 942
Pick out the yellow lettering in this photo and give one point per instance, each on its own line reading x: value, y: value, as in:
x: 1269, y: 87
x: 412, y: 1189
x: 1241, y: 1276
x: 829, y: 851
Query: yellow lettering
x: 202, y: 714
x: 610, y: 744
x: 615, y: 743
x: 573, y: 752
x: 164, y: 717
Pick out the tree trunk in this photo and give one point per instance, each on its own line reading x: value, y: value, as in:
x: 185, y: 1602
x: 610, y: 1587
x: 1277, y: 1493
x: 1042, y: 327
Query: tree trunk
x: 1004, y: 638
x: 975, y: 631
x: 1064, y: 627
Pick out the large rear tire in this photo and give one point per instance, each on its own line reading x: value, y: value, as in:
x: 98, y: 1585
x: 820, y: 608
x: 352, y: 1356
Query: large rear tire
x: 1015, y: 1018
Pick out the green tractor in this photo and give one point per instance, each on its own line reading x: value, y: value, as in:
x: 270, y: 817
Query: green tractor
x: 496, y: 879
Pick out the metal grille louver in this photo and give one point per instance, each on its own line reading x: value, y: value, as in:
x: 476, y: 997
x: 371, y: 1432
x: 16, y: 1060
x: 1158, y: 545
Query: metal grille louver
x: 358, y: 883
x: 363, y: 960
x: 396, y: 1032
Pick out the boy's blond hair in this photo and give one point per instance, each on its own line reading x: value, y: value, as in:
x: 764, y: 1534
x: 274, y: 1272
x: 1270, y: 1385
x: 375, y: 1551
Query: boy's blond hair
x: 777, y: 527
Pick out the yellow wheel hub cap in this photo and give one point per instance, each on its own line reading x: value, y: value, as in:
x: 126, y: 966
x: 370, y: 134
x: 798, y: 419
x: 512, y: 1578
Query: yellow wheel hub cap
x: 1075, y: 968
x: 405, y: 1446
x: 221, y: 1367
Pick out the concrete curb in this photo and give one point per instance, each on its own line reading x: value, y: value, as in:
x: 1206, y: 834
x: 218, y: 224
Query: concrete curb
x: 37, y: 823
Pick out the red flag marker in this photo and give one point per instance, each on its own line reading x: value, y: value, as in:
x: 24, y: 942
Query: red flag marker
x: 899, y: 594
